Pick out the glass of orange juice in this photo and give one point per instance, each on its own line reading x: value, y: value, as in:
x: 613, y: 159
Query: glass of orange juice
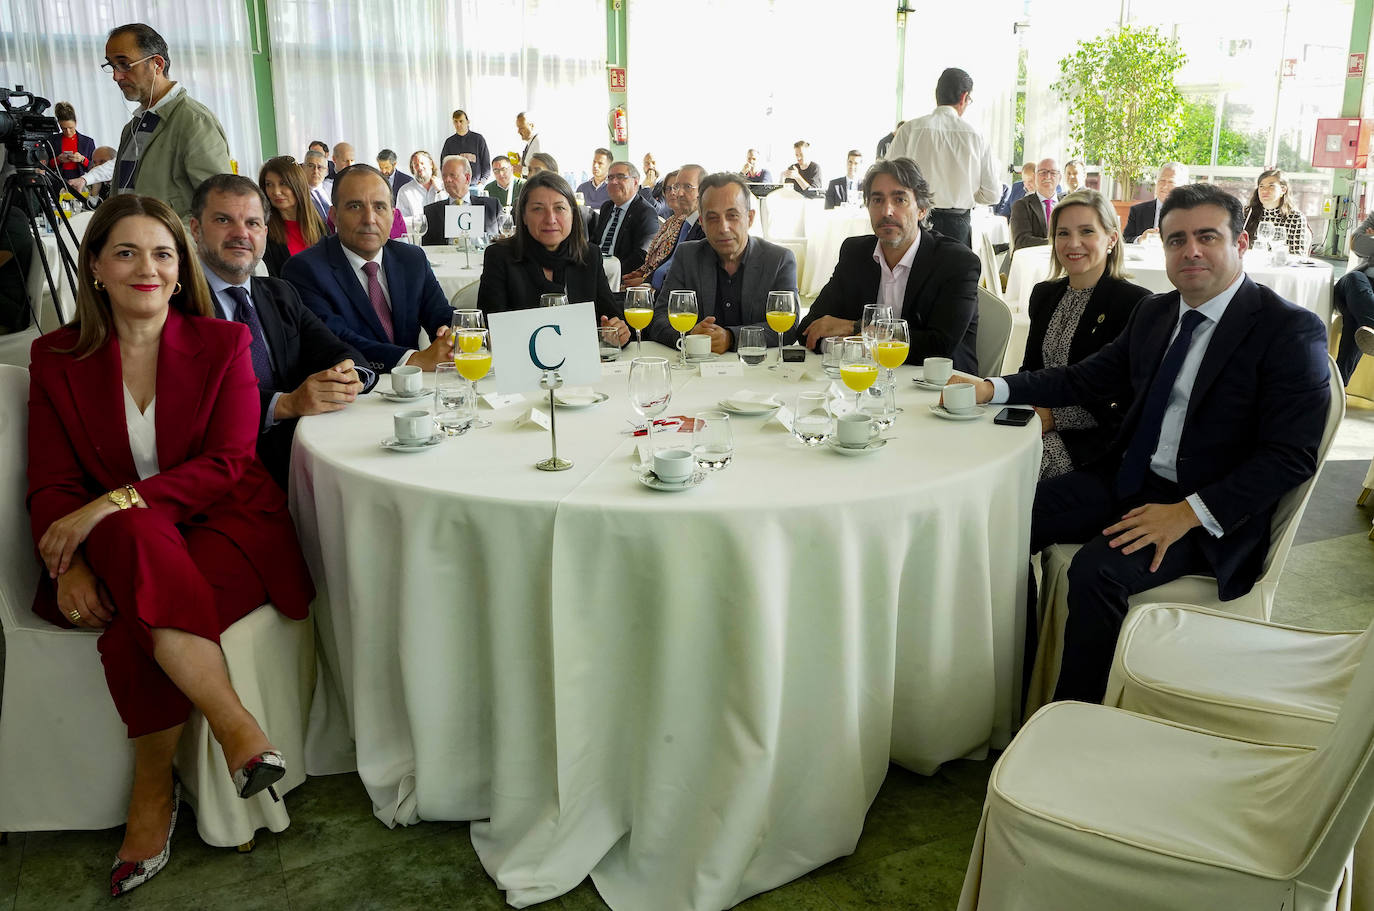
x: 639, y: 312
x: 781, y: 313
x: 891, y: 344
x: 682, y: 316
x: 857, y: 370
x: 472, y: 357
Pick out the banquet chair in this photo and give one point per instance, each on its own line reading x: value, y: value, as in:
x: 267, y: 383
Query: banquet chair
x: 66, y: 756
x: 783, y: 216
x: 465, y: 298
x: 1052, y: 609
x: 1147, y: 814
x: 994, y: 331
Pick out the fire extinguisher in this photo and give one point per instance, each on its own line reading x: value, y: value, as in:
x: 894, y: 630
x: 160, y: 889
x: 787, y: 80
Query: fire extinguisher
x: 620, y: 129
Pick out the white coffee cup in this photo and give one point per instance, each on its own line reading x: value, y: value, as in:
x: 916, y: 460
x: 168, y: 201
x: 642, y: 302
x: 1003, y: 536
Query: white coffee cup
x: 938, y: 370
x: 674, y: 465
x: 960, y: 398
x: 855, y: 429
x: 413, y: 426
x: 696, y: 345
x: 407, y: 380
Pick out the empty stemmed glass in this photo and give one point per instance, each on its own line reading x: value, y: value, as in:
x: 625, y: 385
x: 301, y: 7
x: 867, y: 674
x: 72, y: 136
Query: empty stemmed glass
x: 872, y: 313
x: 650, y: 390
x: 857, y: 370
x: 553, y: 300
x: 505, y: 225
x: 467, y: 319
x: 682, y: 316
x: 781, y: 313
x: 472, y: 357
x: 419, y: 225
x: 639, y: 312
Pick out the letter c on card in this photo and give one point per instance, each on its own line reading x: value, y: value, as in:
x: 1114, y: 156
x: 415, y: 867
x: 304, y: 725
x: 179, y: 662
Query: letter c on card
x: 534, y: 347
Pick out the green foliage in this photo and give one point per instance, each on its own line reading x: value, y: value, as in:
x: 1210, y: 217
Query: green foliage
x: 1124, y: 110
x: 1194, y: 143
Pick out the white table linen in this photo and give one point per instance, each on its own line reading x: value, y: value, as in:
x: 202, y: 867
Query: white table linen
x: 455, y: 269
x: 575, y: 659
x: 825, y: 231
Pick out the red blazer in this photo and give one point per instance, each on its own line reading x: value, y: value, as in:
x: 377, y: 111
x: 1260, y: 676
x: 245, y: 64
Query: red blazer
x: 207, y: 429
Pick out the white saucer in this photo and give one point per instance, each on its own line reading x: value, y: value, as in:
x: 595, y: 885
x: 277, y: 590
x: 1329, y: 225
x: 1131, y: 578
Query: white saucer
x: 600, y: 397
x: 921, y: 383
x: 392, y: 445
x: 940, y: 412
x: 402, y: 399
x: 704, y: 359
x: 758, y: 409
x: 650, y: 480
x: 873, y: 446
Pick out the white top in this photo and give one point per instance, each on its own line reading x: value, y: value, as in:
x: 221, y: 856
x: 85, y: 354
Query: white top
x: 892, y: 282
x: 412, y: 198
x: 142, y: 435
x: 954, y: 159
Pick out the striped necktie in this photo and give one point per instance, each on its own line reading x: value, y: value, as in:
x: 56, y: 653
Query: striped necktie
x: 608, y: 239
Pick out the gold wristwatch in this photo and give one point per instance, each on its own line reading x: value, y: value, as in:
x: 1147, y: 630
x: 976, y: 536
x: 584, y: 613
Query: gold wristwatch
x: 124, y: 497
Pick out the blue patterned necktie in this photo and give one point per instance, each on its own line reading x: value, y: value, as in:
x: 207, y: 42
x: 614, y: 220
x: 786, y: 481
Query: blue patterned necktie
x: 1136, y: 462
x: 608, y: 239
x: 244, y: 312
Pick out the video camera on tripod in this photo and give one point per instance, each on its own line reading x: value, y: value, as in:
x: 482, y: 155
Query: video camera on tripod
x: 24, y: 131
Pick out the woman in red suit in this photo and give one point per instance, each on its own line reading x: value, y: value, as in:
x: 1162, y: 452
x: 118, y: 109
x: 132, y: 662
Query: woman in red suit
x: 154, y: 519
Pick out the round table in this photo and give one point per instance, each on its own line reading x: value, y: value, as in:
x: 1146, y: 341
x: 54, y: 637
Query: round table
x: 456, y: 269
x: 573, y: 658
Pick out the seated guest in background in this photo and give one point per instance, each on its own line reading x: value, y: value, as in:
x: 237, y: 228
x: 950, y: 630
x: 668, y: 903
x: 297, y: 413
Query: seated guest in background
x: 845, y: 190
x: 730, y: 271
x: 650, y: 176
x: 505, y: 188
x: 100, y: 189
x: 1073, y: 316
x: 1224, y: 390
x: 293, y: 224
x: 524, y: 125
x: 373, y: 294
x: 341, y: 158
x: 1030, y: 216
x: 804, y: 175
x: 1075, y: 173
x: 301, y: 367
x: 547, y: 254
x: 426, y: 188
x: 752, y: 172
x: 929, y: 280
x: 457, y: 184
x: 541, y: 161
x: 684, y: 199
x: 1018, y: 190
x: 886, y: 142
x: 386, y: 164
x: 626, y: 223
x: 1269, y: 204
x: 1354, y: 300
x: 661, y: 247
x: 315, y: 167
x: 595, y: 192
x: 146, y: 397
x: 319, y: 145
x: 470, y: 145
x: 74, y: 150
x: 1144, y: 217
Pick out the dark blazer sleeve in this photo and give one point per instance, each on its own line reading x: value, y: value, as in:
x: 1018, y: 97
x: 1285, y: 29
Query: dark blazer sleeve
x: 842, y: 296
x: 434, y: 225
x: 275, y: 256
x: 834, y: 193
x: 309, y: 273
x: 1139, y: 219
x: 633, y: 243
x: 495, y: 287
x: 1024, y: 224
x: 948, y: 308
x: 306, y: 345
x: 1105, y: 374
x: 86, y: 146
x: 434, y: 309
x: 680, y: 276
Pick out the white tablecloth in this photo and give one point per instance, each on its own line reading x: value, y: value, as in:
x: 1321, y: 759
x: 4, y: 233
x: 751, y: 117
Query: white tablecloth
x: 993, y: 227
x: 691, y: 696
x: 826, y: 229
x: 455, y: 269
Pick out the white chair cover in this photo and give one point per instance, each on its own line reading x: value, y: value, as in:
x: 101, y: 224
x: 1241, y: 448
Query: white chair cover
x: 994, y: 331
x: 1053, y: 606
x: 783, y: 217
x: 465, y: 298
x: 67, y: 760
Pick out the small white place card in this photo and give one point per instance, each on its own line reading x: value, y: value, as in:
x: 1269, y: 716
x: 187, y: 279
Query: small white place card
x: 723, y: 368
x: 615, y: 368
x: 792, y: 373
x: 495, y: 401
x: 533, y: 417
x: 781, y: 418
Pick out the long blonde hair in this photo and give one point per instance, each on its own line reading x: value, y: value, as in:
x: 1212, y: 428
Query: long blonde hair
x: 1106, y: 217
x: 94, y: 318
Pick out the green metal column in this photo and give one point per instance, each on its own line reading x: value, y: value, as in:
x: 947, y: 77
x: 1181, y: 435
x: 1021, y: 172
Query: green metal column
x: 260, y: 45
x: 1352, y: 106
x: 902, y: 10
x: 615, y: 56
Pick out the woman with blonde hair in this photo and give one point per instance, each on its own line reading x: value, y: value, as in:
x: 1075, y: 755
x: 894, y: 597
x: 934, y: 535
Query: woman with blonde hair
x: 293, y: 224
x: 1085, y: 304
x: 154, y: 520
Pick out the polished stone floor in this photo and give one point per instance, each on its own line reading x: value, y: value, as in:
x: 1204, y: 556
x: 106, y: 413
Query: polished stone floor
x: 912, y: 854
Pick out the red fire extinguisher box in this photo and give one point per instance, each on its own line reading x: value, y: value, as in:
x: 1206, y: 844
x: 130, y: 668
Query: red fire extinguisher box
x: 1341, y: 143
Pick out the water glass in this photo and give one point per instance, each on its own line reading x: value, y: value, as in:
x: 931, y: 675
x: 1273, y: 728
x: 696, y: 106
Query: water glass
x: 608, y: 343
x: 832, y: 356
x: 455, y: 403
x: 880, y: 403
x: 750, y: 345
x: 713, y: 444
x: 811, y: 422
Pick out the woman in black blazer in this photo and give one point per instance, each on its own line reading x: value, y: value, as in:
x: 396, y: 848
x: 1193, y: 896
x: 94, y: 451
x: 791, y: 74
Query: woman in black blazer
x: 548, y: 254
x: 1073, y: 316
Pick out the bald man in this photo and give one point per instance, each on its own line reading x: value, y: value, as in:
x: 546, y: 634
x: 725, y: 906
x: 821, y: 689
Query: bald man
x: 1030, y: 217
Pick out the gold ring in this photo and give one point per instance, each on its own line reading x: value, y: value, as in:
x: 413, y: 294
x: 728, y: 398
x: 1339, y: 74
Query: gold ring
x: 75, y: 615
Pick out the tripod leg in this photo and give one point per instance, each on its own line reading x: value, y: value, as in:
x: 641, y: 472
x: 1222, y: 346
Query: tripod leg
x: 13, y: 192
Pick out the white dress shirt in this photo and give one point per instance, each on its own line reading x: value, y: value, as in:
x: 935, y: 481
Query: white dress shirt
x: 954, y: 159
x: 412, y: 198
x: 892, y: 282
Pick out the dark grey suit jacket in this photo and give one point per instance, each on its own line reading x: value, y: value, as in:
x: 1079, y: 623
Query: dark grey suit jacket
x: 636, y: 232
x: 767, y: 267
x: 1027, y: 222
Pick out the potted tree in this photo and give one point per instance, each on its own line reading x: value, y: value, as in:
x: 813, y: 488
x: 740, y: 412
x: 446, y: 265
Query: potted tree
x: 1124, y: 110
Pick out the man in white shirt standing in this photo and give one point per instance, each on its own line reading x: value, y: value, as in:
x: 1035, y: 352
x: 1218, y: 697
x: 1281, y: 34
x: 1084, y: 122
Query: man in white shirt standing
x: 524, y: 125
x: 952, y: 155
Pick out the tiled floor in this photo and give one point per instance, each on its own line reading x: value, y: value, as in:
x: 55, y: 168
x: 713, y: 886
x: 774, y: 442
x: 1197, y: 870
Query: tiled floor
x: 912, y: 854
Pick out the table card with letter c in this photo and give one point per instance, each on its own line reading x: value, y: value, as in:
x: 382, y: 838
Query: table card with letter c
x: 464, y: 221
x: 525, y: 343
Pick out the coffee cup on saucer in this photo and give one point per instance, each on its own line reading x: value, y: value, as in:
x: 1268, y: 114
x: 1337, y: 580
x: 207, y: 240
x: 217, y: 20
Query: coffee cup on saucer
x: 960, y: 398
x: 674, y: 466
x: 938, y: 370
x: 855, y: 429
x: 413, y: 426
x: 407, y: 380
x: 697, y: 347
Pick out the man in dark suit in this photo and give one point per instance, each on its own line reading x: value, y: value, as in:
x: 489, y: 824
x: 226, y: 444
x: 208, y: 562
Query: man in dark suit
x: 1225, y: 386
x: 730, y: 271
x: 1030, y: 215
x: 386, y: 163
x: 845, y: 190
x: 302, y: 367
x: 456, y: 174
x: 1144, y: 217
x: 373, y: 293
x: 929, y: 280
x: 626, y: 224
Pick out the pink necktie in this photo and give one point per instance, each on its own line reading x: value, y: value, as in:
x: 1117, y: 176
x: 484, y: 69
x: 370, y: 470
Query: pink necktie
x: 1049, y: 204
x: 378, y: 298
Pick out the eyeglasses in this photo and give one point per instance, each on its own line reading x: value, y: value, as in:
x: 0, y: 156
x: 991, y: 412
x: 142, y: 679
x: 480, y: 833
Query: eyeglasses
x: 1047, y: 173
x: 682, y: 187
x: 619, y: 177
x: 123, y: 68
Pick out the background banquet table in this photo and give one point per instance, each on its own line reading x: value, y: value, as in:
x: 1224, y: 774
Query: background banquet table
x: 455, y: 269
x: 720, y: 674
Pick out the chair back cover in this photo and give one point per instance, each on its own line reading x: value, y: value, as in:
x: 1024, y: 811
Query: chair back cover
x: 18, y: 567
x: 465, y: 298
x: 994, y: 331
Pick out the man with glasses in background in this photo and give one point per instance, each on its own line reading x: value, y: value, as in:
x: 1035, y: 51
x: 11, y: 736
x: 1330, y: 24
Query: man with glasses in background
x: 626, y: 223
x: 173, y: 141
x: 1030, y: 217
x: 316, y: 168
x: 685, y: 196
x: 505, y: 188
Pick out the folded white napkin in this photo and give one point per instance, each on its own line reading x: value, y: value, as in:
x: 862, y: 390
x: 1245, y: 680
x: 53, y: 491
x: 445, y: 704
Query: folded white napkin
x: 747, y: 399
x: 576, y: 395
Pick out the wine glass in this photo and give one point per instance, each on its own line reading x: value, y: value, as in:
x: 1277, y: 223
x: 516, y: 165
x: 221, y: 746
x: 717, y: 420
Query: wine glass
x: 420, y: 225
x: 553, y: 300
x: 505, y: 225
x: 682, y: 316
x: 872, y: 313
x: 781, y: 313
x: 1278, y: 252
x: 472, y: 357
x: 650, y: 390
x: 892, y: 343
x: 639, y: 312
x: 1264, y: 235
x: 750, y: 345
x: 467, y: 319
x: 857, y: 370
x: 713, y: 444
